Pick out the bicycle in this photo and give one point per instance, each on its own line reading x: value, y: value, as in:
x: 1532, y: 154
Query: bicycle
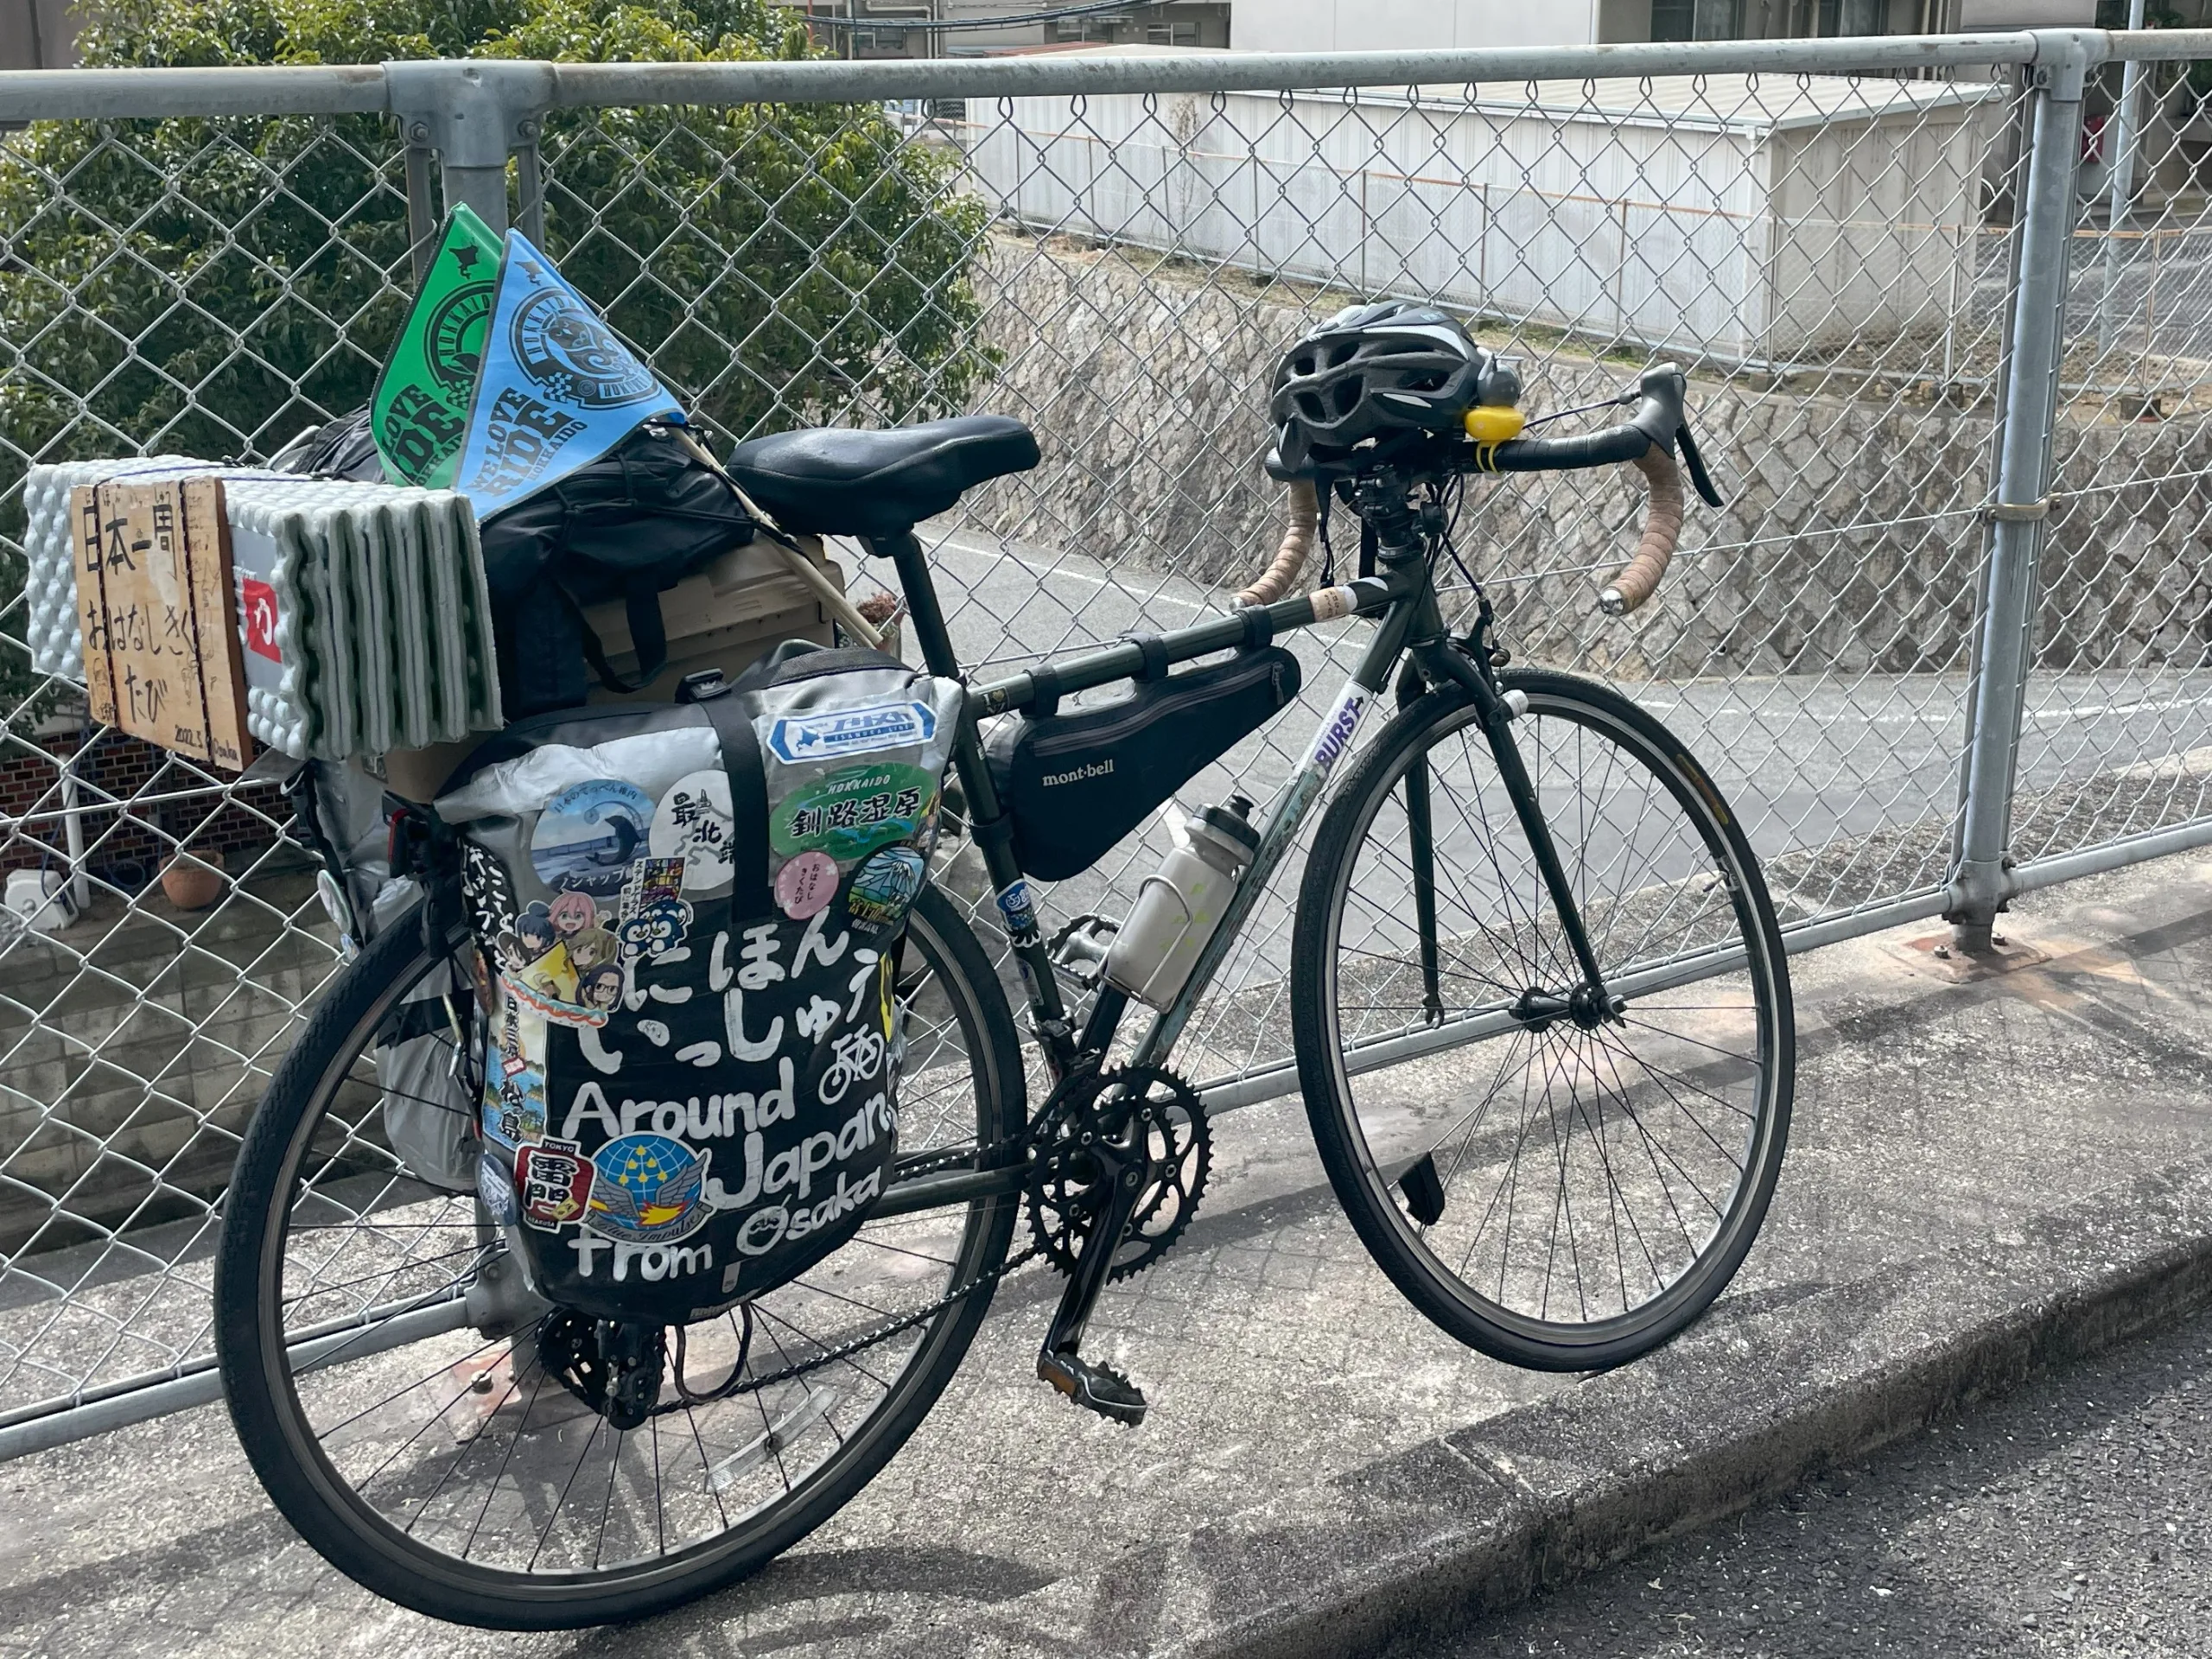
x: 1522, y: 888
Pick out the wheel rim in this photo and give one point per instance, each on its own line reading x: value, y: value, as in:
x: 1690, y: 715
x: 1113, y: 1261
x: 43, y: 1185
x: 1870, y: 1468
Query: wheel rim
x: 1594, y: 1176
x: 460, y: 1460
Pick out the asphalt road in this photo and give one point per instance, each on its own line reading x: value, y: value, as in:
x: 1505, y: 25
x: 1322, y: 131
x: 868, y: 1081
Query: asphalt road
x: 2072, y: 1518
x: 1806, y: 758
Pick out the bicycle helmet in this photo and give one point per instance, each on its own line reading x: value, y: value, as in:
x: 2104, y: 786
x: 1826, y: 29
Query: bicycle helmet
x: 1369, y: 371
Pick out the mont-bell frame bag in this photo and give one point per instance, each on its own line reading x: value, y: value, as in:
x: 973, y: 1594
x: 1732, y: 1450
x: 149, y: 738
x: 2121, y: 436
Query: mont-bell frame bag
x: 687, y: 920
x: 1075, y: 783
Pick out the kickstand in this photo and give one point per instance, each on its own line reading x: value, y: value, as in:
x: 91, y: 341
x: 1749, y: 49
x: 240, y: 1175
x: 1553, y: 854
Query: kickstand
x: 1094, y: 1386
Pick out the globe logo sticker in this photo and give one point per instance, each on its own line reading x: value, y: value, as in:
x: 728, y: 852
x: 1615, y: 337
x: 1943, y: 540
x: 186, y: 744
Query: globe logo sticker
x: 573, y: 356
x: 645, y: 1190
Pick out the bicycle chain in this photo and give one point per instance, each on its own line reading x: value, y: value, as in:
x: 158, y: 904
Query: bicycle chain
x: 868, y: 1339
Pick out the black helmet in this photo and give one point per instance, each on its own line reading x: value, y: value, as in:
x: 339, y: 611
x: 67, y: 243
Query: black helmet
x: 1368, y: 372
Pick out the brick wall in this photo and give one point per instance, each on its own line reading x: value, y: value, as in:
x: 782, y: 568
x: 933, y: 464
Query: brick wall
x: 116, y: 768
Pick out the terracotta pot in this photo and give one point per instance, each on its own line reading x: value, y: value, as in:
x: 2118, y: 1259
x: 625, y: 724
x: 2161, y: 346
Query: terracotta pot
x: 193, y: 882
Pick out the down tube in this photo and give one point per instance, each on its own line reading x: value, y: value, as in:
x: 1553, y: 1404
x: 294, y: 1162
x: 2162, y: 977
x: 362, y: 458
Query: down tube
x: 1331, y: 741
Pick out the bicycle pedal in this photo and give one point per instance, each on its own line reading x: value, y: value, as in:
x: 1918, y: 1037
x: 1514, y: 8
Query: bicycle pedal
x: 1095, y: 1388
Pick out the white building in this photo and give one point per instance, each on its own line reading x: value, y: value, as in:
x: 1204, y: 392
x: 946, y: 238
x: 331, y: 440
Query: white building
x: 1683, y: 214
x: 1415, y: 25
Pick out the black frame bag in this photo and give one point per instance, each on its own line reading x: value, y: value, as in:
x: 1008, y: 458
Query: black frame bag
x: 1075, y: 784
x: 690, y: 920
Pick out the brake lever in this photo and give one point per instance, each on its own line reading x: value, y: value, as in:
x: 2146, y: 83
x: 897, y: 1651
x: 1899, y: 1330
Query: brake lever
x: 1698, y: 476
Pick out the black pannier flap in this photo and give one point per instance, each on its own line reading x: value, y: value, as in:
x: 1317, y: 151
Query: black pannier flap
x: 1075, y: 784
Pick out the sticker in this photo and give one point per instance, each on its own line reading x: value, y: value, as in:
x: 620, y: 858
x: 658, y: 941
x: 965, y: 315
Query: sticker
x: 693, y: 823
x: 588, y: 835
x: 806, y: 884
x: 850, y: 813
x: 484, y: 879
x: 595, y: 947
x: 883, y: 887
x: 650, y: 879
x: 835, y: 733
x: 479, y: 974
x: 496, y: 1191
x: 1334, y: 734
x: 514, y: 1109
x: 1019, y: 911
x: 555, y: 1184
x: 257, y: 611
x: 571, y: 913
x: 645, y: 1190
x: 654, y: 929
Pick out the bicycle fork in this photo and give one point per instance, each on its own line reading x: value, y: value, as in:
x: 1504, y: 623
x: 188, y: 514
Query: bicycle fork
x: 1588, y: 1003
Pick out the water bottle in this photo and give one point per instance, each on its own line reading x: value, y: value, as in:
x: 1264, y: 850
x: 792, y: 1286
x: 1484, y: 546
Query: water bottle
x: 1182, y: 903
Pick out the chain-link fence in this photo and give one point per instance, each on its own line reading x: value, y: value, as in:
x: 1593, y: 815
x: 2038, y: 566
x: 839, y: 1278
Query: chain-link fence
x: 1835, y: 238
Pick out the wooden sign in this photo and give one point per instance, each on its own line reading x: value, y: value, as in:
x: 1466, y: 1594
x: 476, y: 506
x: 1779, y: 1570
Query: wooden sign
x: 159, y: 614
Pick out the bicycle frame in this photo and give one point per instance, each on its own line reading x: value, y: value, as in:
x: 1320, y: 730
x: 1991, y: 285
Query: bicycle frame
x: 1409, y: 623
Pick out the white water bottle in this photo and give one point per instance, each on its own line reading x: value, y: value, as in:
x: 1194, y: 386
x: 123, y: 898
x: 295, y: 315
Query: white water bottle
x: 1182, y: 903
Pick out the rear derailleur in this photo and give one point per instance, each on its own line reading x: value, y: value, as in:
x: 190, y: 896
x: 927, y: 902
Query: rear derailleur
x: 1121, y: 1155
x: 613, y: 1365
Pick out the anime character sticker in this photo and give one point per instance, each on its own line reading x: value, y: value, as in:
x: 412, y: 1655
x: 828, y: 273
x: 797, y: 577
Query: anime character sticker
x: 655, y: 929
x: 557, y: 949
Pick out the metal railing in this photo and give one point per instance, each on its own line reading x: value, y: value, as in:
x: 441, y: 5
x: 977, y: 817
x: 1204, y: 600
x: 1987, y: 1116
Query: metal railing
x: 1948, y: 641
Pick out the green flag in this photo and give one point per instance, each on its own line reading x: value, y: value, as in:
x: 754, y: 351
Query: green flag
x: 421, y: 407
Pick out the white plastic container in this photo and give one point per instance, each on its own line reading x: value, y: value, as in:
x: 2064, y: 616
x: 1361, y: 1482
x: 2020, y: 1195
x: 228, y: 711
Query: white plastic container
x: 40, y: 900
x: 1182, y: 903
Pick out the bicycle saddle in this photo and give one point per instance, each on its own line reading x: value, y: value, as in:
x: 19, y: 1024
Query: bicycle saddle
x: 843, y: 481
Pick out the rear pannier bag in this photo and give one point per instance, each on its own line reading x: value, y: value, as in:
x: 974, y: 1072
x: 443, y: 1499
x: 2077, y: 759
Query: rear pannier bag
x: 1075, y: 784
x: 687, y: 920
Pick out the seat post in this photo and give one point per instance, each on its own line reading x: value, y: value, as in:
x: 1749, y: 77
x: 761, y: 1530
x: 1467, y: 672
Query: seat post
x: 905, y: 553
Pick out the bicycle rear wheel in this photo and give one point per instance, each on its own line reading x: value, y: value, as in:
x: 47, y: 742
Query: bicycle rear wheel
x: 448, y: 1470
x: 1559, y: 1189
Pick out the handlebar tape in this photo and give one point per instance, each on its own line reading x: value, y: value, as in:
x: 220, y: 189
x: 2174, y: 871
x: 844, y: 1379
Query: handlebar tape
x: 1663, y: 528
x: 1297, y: 544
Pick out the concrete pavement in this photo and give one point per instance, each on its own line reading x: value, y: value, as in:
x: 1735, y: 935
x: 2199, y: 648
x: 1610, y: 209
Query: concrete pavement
x: 1983, y: 1178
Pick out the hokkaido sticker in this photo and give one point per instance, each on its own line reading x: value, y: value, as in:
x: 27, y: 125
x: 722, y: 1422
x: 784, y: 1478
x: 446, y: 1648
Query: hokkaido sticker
x: 853, y: 812
x: 646, y: 1189
x: 693, y: 823
x: 827, y: 735
x: 884, y: 888
x: 588, y: 835
x: 806, y: 884
x: 555, y: 1183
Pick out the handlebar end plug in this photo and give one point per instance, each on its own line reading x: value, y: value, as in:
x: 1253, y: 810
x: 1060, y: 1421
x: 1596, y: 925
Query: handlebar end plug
x: 1612, y: 603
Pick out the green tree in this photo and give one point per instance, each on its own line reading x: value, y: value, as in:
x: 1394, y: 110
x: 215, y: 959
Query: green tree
x: 210, y: 286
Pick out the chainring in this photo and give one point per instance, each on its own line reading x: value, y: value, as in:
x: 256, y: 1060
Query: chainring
x: 1069, y: 1188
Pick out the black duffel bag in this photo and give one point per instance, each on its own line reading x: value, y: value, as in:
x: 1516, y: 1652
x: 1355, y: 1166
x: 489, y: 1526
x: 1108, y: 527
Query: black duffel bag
x: 1075, y: 784
x: 628, y: 526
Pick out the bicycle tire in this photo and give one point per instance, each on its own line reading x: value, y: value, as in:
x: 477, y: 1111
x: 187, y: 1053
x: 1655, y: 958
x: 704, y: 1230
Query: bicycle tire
x: 1375, y: 1158
x: 348, y: 1530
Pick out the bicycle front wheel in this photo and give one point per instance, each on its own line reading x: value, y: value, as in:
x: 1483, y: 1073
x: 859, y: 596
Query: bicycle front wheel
x: 444, y: 1464
x: 1560, y: 1186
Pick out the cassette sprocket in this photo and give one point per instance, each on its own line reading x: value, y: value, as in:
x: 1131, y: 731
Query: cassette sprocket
x: 1117, y: 1106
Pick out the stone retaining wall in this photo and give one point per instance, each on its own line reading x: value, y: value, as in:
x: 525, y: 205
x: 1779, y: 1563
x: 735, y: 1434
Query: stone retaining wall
x: 1851, y: 542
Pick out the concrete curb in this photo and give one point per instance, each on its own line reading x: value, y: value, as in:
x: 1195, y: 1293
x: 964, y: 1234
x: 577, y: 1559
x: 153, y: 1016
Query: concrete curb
x: 1774, y: 1386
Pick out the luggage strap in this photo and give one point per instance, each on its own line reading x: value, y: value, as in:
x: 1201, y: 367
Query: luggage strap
x: 749, y: 898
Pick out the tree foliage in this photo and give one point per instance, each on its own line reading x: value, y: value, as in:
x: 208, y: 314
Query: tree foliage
x: 210, y: 286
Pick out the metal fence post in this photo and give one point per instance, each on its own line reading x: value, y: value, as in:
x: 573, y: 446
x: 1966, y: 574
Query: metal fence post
x: 475, y: 113
x: 1982, y: 881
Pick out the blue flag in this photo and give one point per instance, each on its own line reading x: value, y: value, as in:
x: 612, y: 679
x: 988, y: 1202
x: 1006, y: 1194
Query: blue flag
x: 557, y: 390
